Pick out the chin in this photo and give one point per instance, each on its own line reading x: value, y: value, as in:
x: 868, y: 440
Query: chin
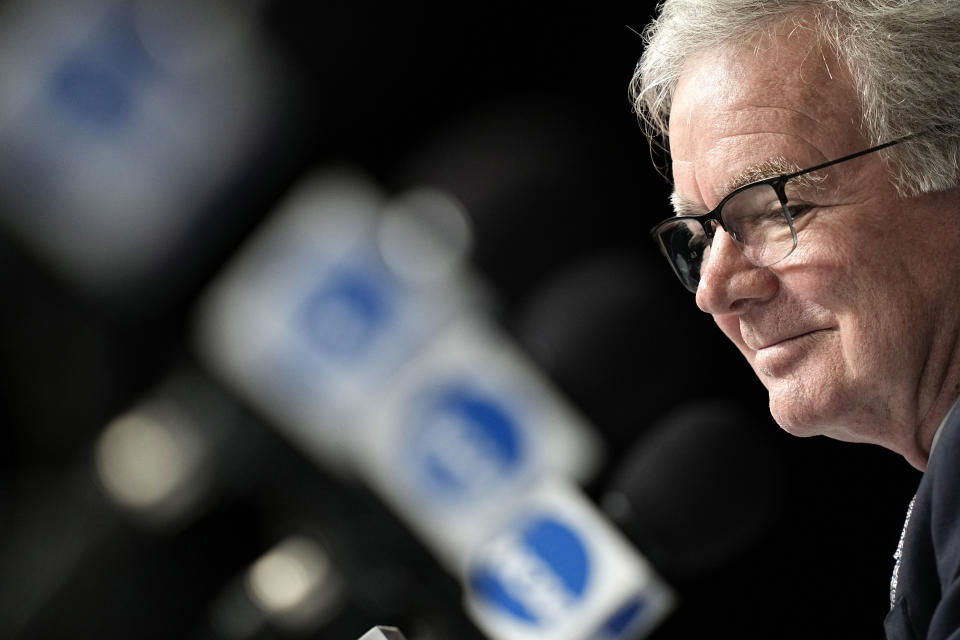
x: 809, y: 402
x: 799, y: 419
x: 805, y: 422
x: 800, y: 431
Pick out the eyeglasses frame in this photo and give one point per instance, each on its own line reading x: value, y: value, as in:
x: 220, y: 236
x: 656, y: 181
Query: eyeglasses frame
x: 779, y: 184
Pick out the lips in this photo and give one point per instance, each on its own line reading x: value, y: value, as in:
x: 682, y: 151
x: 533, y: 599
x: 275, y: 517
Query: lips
x: 779, y: 356
x: 774, y: 343
x: 751, y: 339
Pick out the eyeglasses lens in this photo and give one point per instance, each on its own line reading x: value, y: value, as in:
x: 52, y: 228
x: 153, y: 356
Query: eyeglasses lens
x: 754, y: 218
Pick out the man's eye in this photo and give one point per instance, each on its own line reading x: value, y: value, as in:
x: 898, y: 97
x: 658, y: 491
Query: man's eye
x: 772, y: 214
x: 799, y: 209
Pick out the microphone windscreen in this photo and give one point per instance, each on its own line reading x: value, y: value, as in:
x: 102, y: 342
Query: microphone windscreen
x: 697, y: 488
x: 601, y: 325
x: 523, y: 171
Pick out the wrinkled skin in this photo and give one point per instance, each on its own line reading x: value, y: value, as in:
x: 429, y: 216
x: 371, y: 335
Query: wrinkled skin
x: 854, y: 334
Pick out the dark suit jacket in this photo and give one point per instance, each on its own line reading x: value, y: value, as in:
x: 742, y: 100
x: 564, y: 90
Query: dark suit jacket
x: 926, y: 604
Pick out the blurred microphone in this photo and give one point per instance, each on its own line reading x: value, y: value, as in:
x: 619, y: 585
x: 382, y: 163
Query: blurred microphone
x: 558, y: 569
x: 334, y: 561
x: 292, y: 589
x: 194, y: 517
x: 383, y: 633
x: 522, y: 170
x: 618, y: 341
x: 163, y: 481
x: 338, y: 288
x: 184, y: 446
x: 462, y: 431
x: 698, y: 488
x: 353, y: 323
x: 682, y: 504
x: 125, y: 124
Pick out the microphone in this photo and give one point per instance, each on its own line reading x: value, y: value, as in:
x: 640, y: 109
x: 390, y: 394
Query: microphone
x: 697, y: 488
x: 162, y: 486
x: 463, y: 430
x: 596, y: 326
x: 179, y: 492
x: 332, y: 561
x: 155, y: 122
x: 558, y: 569
x: 385, y: 368
x: 381, y: 365
x: 326, y: 301
x: 292, y: 589
x: 383, y: 633
x: 521, y: 169
x: 753, y: 527
x: 682, y: 504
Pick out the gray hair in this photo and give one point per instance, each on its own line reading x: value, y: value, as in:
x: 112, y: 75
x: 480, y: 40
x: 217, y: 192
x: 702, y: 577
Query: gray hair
x: 903, y: 57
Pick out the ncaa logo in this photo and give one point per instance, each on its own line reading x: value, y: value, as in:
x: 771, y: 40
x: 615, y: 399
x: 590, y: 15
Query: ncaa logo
x: 536, y: 574
x: 344, y: 315
x: 464, y: 442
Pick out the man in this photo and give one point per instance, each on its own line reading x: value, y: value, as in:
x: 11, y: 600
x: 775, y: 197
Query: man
x: 814, y: 150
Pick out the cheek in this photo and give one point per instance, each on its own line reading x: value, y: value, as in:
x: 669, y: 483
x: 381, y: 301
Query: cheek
x: 873, y: 297
x: 825, y: 260
x: 832, y: 273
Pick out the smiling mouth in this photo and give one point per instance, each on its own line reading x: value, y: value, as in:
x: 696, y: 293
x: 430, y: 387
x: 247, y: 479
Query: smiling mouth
x: 779, y: 358
x: 791, y: 339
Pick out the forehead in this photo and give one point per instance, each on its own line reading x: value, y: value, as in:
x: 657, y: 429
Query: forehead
x: 780, y: 97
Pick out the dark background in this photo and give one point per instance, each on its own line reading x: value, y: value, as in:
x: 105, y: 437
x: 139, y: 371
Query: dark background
x: 523, y: 111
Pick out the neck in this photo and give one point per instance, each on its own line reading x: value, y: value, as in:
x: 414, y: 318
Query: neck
x: 938, y: 404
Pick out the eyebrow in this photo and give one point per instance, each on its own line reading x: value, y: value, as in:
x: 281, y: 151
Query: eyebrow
x: 763, y: 170
x: 684, y: 206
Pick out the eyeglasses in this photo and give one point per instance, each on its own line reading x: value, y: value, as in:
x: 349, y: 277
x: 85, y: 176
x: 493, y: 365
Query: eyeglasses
x: 758, y: 217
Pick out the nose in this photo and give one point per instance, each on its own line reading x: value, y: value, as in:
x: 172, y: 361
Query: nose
x: 729, y: 282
